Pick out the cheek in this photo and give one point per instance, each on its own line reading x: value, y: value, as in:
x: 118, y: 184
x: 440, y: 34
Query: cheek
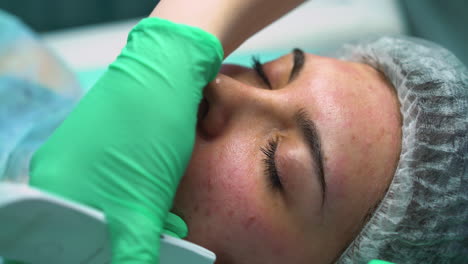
x: 224, y: 201
x: 218, y: 187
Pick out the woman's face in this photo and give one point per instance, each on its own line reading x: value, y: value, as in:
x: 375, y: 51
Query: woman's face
x: 287, y: 172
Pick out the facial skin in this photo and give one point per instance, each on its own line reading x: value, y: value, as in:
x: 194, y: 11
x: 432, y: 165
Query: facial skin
x: 227, y: 198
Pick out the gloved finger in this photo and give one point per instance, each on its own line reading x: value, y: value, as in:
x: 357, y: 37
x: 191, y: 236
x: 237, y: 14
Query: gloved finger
x: 175, y: 226
x: 135, y: 238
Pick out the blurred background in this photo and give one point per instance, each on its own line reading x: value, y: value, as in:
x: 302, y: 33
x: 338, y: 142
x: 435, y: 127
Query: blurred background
x: 88, y: 34
x: 50, y: 15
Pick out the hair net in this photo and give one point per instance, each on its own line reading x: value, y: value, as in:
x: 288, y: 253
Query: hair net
x: 423, y: 217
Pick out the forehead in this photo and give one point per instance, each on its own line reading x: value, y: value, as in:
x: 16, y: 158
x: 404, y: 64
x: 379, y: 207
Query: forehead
x: 346, y: 94
x: 356, y: 113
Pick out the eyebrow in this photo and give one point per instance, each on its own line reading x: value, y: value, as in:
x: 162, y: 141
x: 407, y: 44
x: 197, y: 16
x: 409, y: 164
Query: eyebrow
x: 312, y: 138
x: 298, y: 63
x: 307, y: 125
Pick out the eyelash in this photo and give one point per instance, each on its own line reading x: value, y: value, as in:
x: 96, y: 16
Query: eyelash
x: 269, y: 151
x: 258, y: 67
x: 270, y: 166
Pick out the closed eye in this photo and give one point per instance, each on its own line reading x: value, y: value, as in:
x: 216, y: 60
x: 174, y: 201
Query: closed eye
x: 258, y: 67
x: 271, y: 171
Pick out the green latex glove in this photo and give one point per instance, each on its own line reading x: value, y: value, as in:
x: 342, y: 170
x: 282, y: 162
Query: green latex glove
x: 378, y: 261
x: 126, y: 145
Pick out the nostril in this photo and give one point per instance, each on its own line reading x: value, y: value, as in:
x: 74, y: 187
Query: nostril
x: 211, y: 119
x: 203, y: 109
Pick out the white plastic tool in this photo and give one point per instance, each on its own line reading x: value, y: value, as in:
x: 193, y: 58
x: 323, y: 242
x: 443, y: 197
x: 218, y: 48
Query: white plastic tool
x: 40, y: 228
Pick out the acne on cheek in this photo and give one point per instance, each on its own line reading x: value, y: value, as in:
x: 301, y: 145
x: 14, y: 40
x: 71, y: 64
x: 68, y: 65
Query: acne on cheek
x: 262, y: 229
x: 250, y: 224
x: 234, y: 189
x: 253, y: 217
x: 233, y: 197
x: 219, y: 185
x: 279, y: 237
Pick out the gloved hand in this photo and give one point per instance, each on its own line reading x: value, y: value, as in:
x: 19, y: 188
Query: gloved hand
x: 126, y: 145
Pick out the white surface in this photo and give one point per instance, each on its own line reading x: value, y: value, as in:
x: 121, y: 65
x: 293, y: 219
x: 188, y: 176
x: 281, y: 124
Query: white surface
x: 37, y: 228
x: 318, y: 25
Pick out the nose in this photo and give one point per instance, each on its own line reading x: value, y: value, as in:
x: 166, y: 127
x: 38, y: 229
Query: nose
x: 230, y: 101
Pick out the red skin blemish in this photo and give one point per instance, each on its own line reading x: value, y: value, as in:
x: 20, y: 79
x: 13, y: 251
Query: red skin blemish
x: 249, y: 222
x: 278, y: 251
x: 209, y: 184
x: 208, y: 213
